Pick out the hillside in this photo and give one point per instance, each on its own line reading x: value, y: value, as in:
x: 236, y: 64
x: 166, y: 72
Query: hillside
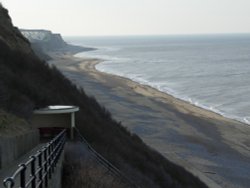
x: 27, y: 83
x: 12, y: 125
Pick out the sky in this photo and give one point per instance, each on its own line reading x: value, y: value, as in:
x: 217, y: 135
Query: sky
x: 131, y: 17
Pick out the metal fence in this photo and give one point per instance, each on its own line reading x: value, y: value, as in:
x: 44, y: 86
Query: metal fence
x: 106, y: 164
x: 37, y: 171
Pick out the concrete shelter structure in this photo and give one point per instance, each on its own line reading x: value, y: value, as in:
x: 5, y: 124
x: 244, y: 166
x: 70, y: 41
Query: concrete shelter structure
x: 55, y: 117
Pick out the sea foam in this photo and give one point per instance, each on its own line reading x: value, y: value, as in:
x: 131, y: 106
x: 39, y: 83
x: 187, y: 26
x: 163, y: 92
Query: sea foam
x: 204, y: 71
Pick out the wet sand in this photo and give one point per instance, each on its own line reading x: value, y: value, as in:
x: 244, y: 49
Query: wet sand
x: 214, y: 148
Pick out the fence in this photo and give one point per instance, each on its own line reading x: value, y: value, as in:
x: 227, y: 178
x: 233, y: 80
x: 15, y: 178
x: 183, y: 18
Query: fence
x: 37, y: 171
x: 106, y: 164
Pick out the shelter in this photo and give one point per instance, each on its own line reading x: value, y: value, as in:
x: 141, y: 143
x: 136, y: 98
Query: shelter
x: 51, y: 119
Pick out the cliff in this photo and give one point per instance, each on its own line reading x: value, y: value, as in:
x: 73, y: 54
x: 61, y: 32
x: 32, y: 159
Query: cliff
x: 44, y: 41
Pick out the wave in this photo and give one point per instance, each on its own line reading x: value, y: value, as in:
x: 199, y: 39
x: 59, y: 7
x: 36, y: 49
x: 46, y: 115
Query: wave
x: 104, y: 58
x: 109, y: 65
x: 162, y: 88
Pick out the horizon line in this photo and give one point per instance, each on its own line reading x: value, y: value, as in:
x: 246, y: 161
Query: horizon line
x: 147, y: 35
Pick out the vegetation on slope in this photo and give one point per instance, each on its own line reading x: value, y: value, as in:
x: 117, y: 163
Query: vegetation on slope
x: 11, y: 125
x: 80, y: 169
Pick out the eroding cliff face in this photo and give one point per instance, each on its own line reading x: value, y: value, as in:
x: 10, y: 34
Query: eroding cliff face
x: 47, y: 40
x: 44, y: 42
x: 10, y: 35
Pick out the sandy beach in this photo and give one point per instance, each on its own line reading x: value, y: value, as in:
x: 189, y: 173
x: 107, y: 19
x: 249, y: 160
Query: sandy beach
x: 214, y: 148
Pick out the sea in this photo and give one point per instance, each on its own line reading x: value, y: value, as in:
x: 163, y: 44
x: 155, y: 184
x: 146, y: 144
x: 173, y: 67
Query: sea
x: 209, y: 71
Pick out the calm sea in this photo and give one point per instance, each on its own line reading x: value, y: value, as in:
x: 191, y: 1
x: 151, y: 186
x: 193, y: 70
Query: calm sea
x: 210, y: 71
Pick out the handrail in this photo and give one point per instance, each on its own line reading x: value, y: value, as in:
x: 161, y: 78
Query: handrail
x: 41, y: 166
x: 106, y: 164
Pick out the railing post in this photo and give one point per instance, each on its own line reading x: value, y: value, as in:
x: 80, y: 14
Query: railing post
x: 33, y: 172
x: 46, y: 166
x: 22, y: 176
x: 53, y: 154
x: 9, y: 183
x: 40, y: 166
x: 49, y: 156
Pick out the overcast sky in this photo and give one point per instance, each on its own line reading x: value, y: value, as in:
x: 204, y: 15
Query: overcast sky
x: 131, y: 17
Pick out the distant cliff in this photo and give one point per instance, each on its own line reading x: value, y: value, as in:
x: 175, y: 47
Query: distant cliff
x: 45, y: 41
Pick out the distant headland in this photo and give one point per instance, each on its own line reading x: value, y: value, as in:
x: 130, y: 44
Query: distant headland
x: 44, y: 41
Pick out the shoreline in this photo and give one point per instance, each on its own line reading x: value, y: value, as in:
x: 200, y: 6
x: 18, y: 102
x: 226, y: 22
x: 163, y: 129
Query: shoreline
x: 148, y: 90
x: 241, y: 120
x: 209, y: 145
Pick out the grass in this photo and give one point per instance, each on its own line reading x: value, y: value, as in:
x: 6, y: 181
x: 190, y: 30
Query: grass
x: 81, y: 170
x: 11, y: 125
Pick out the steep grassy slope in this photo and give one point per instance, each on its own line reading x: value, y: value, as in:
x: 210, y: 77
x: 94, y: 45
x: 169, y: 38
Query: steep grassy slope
x: 27, y: 83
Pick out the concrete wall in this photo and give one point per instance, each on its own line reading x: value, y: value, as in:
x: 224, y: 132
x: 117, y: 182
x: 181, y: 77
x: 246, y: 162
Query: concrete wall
x: 12, y: 147
x: 51, y: 120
